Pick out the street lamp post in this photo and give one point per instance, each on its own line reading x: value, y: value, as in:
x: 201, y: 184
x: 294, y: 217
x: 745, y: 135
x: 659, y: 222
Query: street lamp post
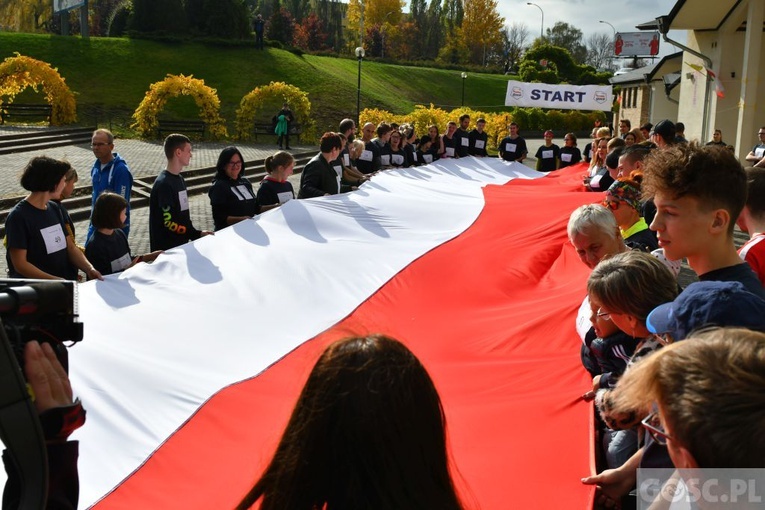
x: 614, y: 41
x: 542, y: 31
x: 610, y: 25
x: 464, y: 77
x: 360, y: 56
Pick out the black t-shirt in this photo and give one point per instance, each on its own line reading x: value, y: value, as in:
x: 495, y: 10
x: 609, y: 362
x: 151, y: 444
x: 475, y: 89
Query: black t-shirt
x: 450, y: 146
x: 478, y: 143
x: 569, y: 156
x: 369, y: 161
x: 109, y: 254
x: 548, y: 157
x: 411, y: 156
x: 42, y: 233
x: 231, y: 198
x: 463, y: 142
x: 512, y: 149
x: 738, y: 273
x: 273, y: 192
x: 588, y: 152
x: 601, y: 180
x: 169, y: 217
x: 399, y: 158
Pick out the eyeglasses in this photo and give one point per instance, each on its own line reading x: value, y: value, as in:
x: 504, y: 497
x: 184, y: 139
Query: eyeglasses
x: 606, y: 316
x: 653, y: 425
x: 234, y: 163
x: 611, y: 205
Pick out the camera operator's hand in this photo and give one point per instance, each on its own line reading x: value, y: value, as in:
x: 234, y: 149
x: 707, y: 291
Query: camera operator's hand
x: 59, y: 414
x: 47, y: 377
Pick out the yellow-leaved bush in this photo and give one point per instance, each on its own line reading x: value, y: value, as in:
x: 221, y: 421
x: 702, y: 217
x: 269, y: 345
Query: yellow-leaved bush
x: 496, y: 123
x: 20, y: 72
x: 146, y: 115
x: 276, y: 91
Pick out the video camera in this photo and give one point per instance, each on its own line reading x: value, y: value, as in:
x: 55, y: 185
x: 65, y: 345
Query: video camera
x: 46, y: 311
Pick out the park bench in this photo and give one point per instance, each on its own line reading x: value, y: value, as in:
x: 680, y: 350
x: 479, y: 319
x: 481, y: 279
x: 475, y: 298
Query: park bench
x: 268, y: 129
x: 184, y: 127
x: 25, y: 110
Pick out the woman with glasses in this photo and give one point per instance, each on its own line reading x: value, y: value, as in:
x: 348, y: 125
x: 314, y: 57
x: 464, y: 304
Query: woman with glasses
x: 624, y: 289
x: 231, y: 195
x: 569, y: 153
x: 398, y: 156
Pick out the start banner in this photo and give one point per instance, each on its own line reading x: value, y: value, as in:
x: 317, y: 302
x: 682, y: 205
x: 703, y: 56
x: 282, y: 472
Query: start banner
x: 562, y: 97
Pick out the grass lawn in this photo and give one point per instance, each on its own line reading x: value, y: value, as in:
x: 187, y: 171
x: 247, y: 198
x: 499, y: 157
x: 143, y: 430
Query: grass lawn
x: 111, y: 75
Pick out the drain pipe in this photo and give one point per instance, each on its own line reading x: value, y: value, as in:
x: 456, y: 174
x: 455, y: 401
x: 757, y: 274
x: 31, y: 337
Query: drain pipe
x: 661, y: 22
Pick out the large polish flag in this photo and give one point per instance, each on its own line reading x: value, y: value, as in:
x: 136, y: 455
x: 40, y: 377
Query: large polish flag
x: 191, y: 365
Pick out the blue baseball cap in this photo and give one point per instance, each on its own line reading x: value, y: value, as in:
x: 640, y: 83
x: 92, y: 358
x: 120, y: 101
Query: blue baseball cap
x: 708, y: 304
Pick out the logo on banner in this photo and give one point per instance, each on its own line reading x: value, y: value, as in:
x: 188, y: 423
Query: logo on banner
x: 516, y: 93
x: 600, y: 97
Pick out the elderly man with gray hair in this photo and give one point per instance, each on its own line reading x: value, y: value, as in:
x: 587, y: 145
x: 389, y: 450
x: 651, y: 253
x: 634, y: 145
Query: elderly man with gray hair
x: 594, y: 233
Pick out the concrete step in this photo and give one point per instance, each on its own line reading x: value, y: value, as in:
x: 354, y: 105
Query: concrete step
x: 11, y: 144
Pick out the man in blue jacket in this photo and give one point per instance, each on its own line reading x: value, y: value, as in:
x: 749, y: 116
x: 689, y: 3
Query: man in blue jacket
x: 109, y: 173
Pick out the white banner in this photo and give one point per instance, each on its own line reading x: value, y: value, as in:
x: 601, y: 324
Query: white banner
x: 65, y: 5
x: 561, y: 97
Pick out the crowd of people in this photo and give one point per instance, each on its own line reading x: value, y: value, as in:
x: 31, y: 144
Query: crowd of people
x: 670, y: 200
x: 665, y: 200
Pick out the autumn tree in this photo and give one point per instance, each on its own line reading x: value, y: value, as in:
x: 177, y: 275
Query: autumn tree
x: 481, y: 28
x: 452, y: 16
x: 433, y: 37
x: 227, y: 19
x: 297, y: 8
x: 310, y: 34
x: 279, y: 26
x: 353, y: 30
x: 377, y: 12
x: 568, y: 37
x: 331, y: 13
x: 26, y: 15
x: 399, y: 42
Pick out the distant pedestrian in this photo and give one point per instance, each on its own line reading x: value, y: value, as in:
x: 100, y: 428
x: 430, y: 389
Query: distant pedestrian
x: 109, y: 173
x: 259, y: 27
x: 283, y: 120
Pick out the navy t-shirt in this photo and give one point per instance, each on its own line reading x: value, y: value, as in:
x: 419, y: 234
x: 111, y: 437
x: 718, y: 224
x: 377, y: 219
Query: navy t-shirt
x: 42, y: 233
